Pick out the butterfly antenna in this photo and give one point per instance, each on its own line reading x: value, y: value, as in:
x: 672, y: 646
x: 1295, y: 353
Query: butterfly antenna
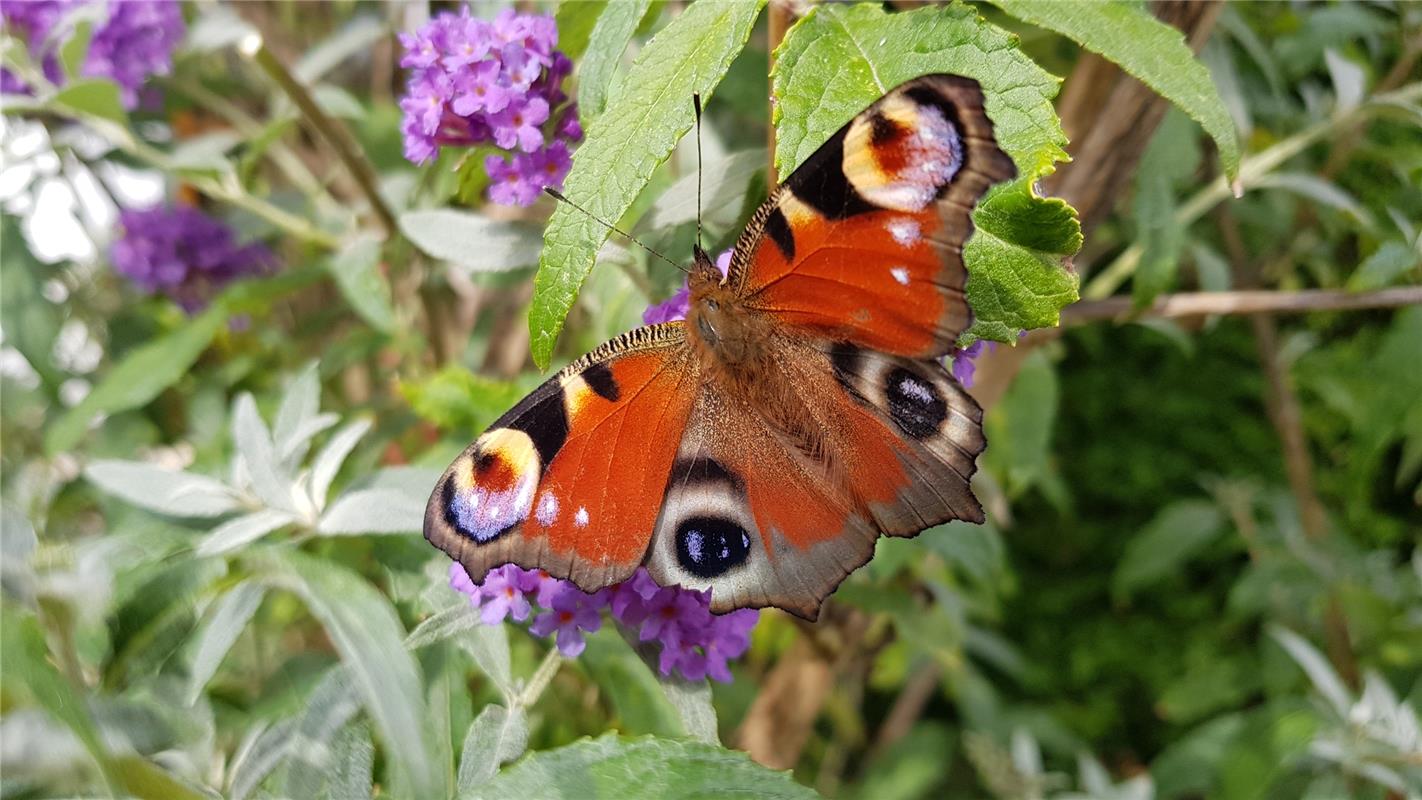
x: 557, y: 195
x: 696, y: 101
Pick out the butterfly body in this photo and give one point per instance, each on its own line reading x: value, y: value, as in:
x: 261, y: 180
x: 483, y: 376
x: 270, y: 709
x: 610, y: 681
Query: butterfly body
x: 761, y: 446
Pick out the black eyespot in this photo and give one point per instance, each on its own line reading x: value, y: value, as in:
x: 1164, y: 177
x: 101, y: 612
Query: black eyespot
x: 914, y: 403
x: 709, y: 547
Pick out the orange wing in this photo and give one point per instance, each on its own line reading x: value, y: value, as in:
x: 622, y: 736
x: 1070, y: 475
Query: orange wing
x: 772, y: 514
x: 863, y: 243
x: 571, y: 479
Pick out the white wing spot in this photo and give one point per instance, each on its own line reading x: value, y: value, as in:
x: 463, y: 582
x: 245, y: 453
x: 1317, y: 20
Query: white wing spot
x: 900, y: 274
x: 547, y: 509
x: 581, y: 517
x: 913, y: 387
x: 905, y: 231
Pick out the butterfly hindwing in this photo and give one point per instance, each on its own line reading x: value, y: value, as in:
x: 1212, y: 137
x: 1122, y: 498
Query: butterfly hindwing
x: 570, y: 480
x: 863, y: 242
x: 775, y: 502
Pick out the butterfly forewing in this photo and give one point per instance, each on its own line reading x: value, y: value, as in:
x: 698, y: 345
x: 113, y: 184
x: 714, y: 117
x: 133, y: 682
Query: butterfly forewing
x: 863, y: 243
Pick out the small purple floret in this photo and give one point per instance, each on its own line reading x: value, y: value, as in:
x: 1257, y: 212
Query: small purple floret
x: 694, y: 642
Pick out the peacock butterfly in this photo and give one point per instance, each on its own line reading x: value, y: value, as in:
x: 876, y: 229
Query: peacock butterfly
x: 761, y: 447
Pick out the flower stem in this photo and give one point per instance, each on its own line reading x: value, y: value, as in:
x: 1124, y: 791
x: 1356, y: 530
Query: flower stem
x: 541, y: 678
x: 335, y: 134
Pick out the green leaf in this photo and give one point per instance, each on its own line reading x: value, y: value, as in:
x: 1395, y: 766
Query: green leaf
x: 575, y: 24
x: 178, y: 494
x: 472, y: 241
x: 638, y: 701
x: 1150, y: 50
x: 1385, y: 266
x: 356, y: 269
x: 459, y: 401
x: 366, y: 633
x: 1018, y: 259
x: 647, y: 767
x: 1176, y: 534
x: 1020, y: 428
x: 1170, y: 157
x: 138, y: 378
x: 609, y: 38
x: 93, y: 96
x: 496, y: 737
x: 230, y: 615
x: 155, y: 620
x: 651, y: 110
x: 356, y: 36
x: 353, y: 760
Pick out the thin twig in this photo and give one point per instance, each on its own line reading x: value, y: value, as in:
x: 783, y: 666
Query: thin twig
x: 1251, y: 169
x: 334, y: 133
x: 1197, y: 304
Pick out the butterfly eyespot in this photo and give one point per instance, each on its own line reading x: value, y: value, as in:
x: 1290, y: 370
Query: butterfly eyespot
x: 915, y: 404
x: 708, y: 547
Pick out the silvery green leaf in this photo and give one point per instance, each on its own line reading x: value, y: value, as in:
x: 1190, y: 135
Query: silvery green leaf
x: 415, y: 481
x: 237, y: 533
x: 373, y: 511
x: 178, y: 494
x: 447, y: 234
x: 301, y: 402
x: 355, y: 37
x: 261, y: 752
x: 302, y: 439
x: 1026, y: 755
x: 206, y: 151
x: 488, y: 645
x: 328, y: 462
x: 258, y: 453
x: 329, y: 708
x: 442, y: 625
x: 1349, y: 81
x: 366, y: 633
x: 216, y: 28
x: 353, y: 764
x: 1319, y: 190
x: 17, y: 545
x: 723, y: 187
x: 1319, y: 671
x: 692, y: 701
x: 230, y: 614
x: 496, y: 737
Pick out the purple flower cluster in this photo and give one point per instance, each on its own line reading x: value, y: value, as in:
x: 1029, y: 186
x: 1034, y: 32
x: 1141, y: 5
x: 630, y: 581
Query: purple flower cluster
x: 694, y: 642
x: 183, y: 253
x: 475, y: 81
x: 135, y: 42
x: 675, y: 307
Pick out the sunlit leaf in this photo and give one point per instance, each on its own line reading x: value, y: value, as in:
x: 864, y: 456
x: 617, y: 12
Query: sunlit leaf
x: 472, y: 241
x: 356, y: 269
x: 328, y: 462
x: 242, y: 531
x: 374, y: 511
x: 1148, y: 49
x: 653, y: 101
x: 176, y: 493
x: 608, y: 39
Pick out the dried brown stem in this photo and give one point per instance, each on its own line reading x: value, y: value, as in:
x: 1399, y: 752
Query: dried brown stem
x: 331, y: 131
x: 1196, y: 304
